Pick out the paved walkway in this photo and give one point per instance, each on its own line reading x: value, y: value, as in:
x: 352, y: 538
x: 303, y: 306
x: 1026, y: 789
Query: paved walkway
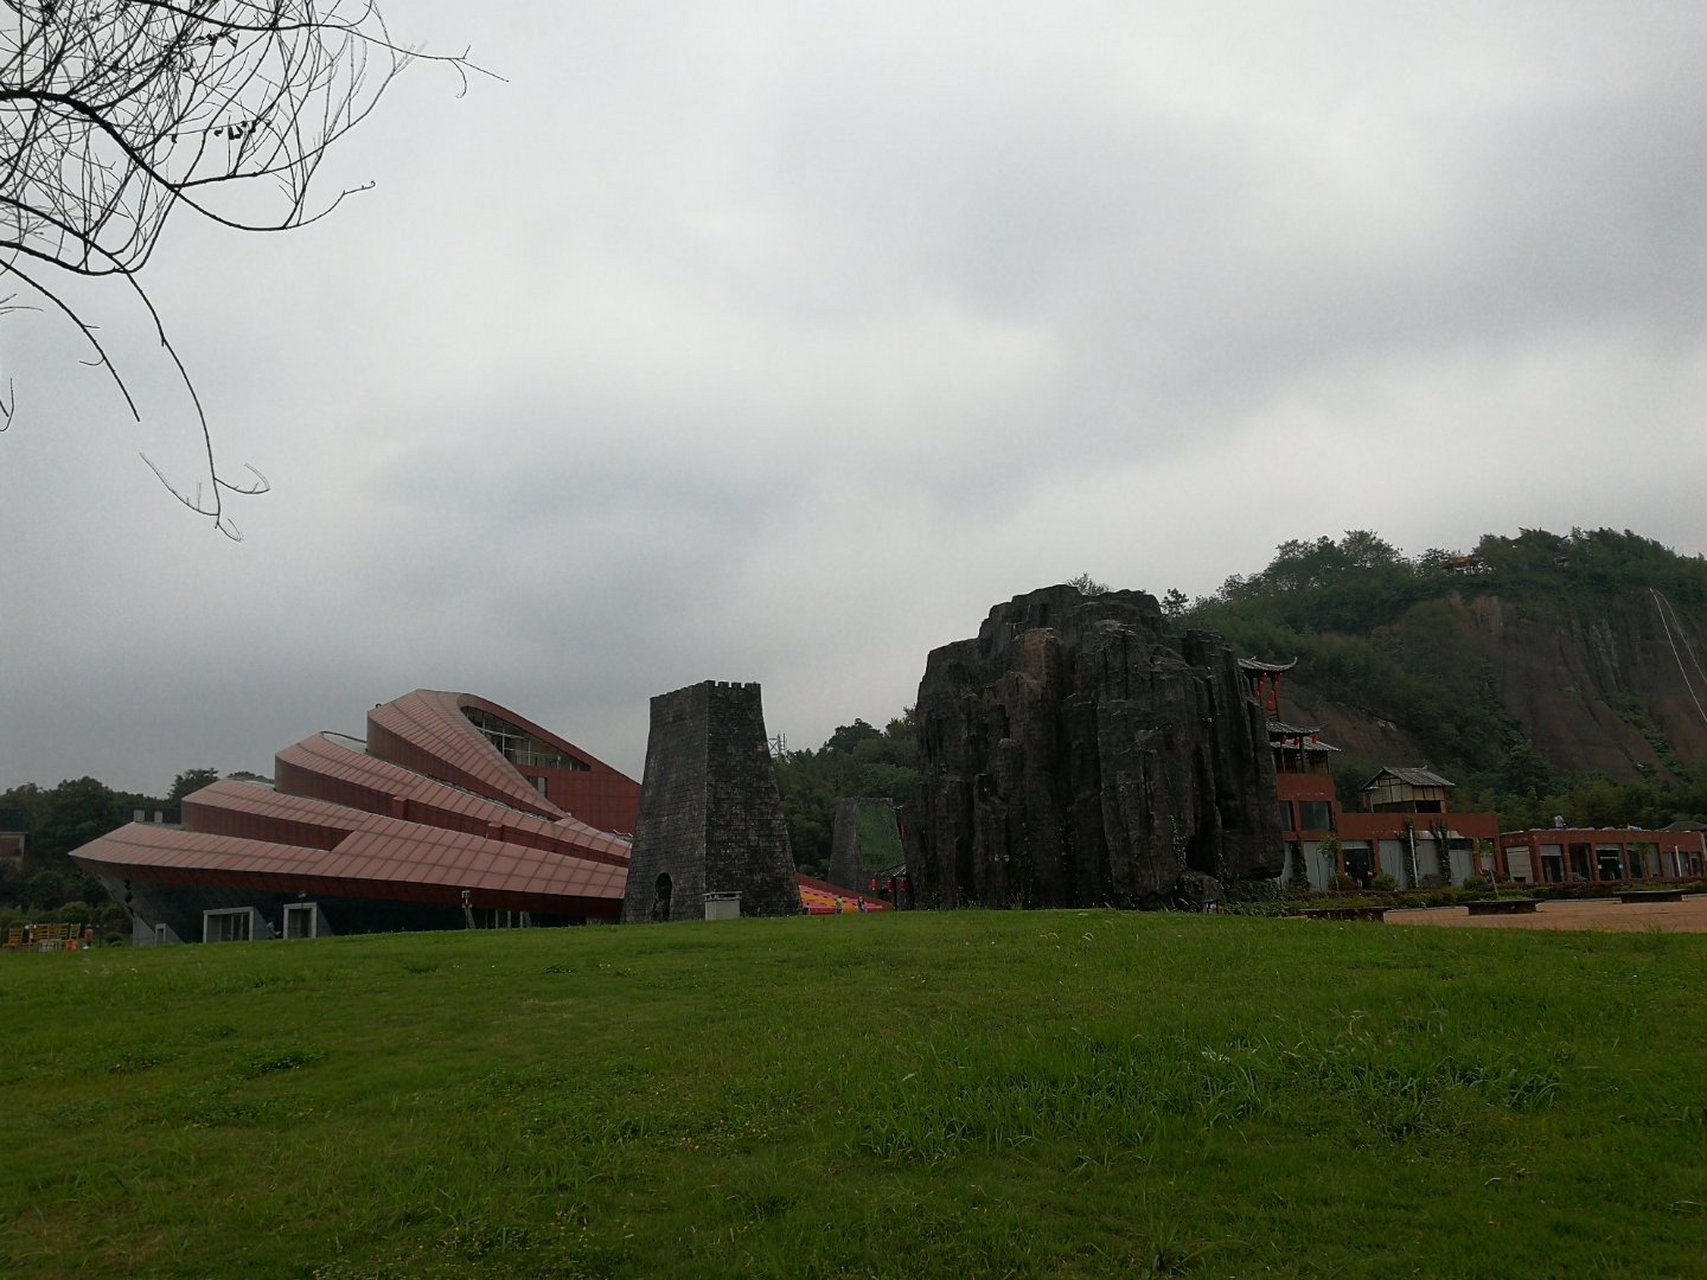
x: 1607, y: 915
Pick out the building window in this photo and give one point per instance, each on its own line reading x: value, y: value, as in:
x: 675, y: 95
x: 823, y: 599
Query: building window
x: 1315, y: 815
x: 1581, y: 869
x: 229, y: 924
x: 1359, y: 863
x: 520, y: 747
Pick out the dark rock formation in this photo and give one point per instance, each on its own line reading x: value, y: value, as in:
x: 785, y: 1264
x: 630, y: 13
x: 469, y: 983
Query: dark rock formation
x: 845, y: 853
x: 710, y: 817
x: 844, y: 846
x: 1076, y: 754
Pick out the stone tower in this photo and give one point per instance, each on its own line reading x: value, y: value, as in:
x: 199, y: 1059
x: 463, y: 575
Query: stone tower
x: 710, y: 817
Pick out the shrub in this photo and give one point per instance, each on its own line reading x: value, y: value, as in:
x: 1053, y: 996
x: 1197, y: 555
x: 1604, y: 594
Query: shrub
x: 1298, y: 881
x: 74, y: 913
x: 1385, y: 883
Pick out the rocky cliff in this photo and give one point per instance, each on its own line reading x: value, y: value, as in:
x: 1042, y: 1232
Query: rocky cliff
x: 1618, y: 687
x: 1075, y: 753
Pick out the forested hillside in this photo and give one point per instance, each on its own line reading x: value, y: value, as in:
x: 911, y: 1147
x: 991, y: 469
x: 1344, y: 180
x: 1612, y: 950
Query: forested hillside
x: 1545, y: 673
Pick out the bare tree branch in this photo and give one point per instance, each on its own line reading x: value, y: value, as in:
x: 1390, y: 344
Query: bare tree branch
x: 115, y: 113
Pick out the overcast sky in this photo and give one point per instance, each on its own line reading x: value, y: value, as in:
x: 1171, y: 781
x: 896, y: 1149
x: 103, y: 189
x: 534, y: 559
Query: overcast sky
x: 778, y: 341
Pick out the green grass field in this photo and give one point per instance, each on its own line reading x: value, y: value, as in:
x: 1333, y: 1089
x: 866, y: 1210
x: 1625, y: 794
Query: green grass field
x: 970, y: 1094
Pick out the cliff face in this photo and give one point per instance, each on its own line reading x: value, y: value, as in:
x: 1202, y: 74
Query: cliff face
x: 1599, y: 690
x: 1075, y: 753
x: 1603, y: 691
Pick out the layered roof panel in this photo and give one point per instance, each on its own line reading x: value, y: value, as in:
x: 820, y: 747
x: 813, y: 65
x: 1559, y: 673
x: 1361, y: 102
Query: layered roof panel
x: 426, y: 731
x: 437, y: 813
x: 323, y: 767
x: 390, y: 860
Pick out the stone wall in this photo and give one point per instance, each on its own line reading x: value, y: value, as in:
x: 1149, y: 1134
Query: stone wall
x: 710, y: 816
x: 845, y: 854
x: 844, y: 846
x: 1076, y: 753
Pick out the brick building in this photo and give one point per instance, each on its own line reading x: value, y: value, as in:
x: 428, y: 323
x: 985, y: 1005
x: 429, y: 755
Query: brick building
x: 1406, y: 828
x: 1589, y: 855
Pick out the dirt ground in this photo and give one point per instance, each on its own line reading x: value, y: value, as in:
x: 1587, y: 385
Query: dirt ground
x: 1603, y: 914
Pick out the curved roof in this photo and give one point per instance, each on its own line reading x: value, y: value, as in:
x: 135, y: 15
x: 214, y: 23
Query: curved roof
x: 430, y: 810
x: 323, y: 767
x: 427, y: 731
x: 1297, y: 737
x: 430, y: 731
x: 388, y: 859
x: 1256, y: 665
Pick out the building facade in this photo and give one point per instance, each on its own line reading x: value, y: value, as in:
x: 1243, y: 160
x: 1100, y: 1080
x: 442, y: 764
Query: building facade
x: 452, y: 813
x: 1406, y: 829
x: 1584, y: 855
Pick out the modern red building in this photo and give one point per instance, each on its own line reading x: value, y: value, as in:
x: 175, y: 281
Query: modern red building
x: 454, y: 812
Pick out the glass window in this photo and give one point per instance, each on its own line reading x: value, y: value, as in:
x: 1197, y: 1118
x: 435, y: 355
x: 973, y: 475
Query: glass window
x: 1581, y: 868
x: 1315, y: 815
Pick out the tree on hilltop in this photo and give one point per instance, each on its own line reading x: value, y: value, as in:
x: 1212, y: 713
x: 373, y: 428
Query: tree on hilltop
x: 190, y: 780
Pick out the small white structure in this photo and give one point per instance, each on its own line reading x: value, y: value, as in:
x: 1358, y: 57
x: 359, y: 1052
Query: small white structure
x: 723, y: 906
x: 302, y: 920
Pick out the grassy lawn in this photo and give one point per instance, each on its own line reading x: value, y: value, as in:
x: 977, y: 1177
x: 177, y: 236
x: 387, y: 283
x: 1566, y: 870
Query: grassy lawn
x: 1029, y: 1094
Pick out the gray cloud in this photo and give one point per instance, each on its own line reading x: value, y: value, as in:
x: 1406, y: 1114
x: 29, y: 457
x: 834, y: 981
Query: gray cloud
x: 778, y: 343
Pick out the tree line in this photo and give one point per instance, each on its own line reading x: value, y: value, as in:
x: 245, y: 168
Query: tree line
x: 44, y: 883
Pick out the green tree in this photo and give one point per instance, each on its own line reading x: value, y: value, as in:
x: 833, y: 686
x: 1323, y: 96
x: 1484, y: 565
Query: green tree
x: 72, y: 814
x: 849, y: 736
x: 190, y: 780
